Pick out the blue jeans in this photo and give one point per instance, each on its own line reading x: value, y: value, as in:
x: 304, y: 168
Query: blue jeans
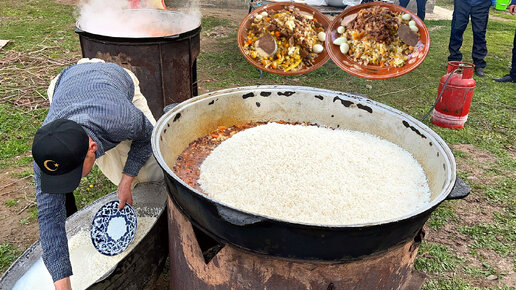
x: 421, y: 5
x: 462, y: 10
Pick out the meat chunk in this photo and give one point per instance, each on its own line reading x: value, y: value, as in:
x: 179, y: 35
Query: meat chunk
x: 407, y: 35
x: 379, y: 22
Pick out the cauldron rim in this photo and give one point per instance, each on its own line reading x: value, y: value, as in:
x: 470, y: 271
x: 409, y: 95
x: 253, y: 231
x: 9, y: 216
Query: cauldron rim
x: 446, y: 190
x: 176, y: 36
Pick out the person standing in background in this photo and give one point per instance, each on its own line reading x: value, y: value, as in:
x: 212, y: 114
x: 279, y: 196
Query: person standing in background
x: 421, y: 7
x: 511, y: 77
x: 478, y: 10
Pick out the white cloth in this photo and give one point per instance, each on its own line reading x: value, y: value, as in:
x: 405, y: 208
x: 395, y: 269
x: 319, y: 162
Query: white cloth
x: 112, y: 162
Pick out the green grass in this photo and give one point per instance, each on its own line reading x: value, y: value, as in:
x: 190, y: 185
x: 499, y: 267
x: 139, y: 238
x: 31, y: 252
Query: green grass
x: 448, y: 4
x: 32, y: 23
x: 481, y: 272
x: 502, y: 14
x: 209, y: 22
x: 17, y: 129
x: 448, y: 284
x: 8, y: 254
x: 11, y: 203
x: 24, y: 173
x: 41, y: 30
x: 436, y: 259
x: 502, y: 192
x: 442, y: 215
x: 24, y: 221
x: 33, y: 217
x: 498, y: 236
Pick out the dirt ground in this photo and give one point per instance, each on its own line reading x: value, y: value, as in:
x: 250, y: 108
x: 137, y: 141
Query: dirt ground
x: 18, y: 228
x: 21, y: 230
x: 474, y: 210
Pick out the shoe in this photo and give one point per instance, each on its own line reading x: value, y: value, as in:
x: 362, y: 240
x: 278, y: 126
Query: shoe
x: 479, y: 71
x: 505, y: 79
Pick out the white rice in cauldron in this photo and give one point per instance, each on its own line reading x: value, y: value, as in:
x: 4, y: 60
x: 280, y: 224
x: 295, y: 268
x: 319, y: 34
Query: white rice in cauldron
x: 314, y: 175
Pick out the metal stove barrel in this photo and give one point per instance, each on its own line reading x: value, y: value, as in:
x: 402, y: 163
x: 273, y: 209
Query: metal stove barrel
x: 196, y: 262
x: 166, y: 66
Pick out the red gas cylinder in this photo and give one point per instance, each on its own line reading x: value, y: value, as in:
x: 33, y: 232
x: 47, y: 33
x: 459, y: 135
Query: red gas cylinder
x: 451, y: 110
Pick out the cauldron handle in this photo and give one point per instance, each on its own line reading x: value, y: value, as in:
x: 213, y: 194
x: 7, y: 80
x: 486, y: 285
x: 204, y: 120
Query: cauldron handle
x: 174, y: 36
x: 169, y: 107
x: 237, y: 218
x: 460, y: 190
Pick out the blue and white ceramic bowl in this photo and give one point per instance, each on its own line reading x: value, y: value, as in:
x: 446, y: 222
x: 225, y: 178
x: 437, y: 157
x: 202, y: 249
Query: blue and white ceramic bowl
x: 113, y: 230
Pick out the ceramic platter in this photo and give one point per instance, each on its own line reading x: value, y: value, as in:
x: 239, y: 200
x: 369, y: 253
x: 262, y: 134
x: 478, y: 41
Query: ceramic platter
x: 376, y: 71
x: 271, y: 9
x: 113, y: 230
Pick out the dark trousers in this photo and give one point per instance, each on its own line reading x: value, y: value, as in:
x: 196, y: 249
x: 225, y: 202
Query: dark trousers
x: 421, y: 7
x: 71, y: 207
x: 513, y: 68
x: 479, y: 14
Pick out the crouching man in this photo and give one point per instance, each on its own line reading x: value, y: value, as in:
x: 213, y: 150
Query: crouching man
x: 97, y: 116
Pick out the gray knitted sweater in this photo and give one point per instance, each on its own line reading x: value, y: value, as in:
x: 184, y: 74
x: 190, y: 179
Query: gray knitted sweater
x: 97, y: 96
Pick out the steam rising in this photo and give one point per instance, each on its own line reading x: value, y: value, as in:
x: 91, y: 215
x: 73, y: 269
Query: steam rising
x: 115, y: 18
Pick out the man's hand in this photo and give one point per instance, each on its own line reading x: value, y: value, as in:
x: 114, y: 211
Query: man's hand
x: 124, y: 191
x: 512, y: 9
x: 63, y: 284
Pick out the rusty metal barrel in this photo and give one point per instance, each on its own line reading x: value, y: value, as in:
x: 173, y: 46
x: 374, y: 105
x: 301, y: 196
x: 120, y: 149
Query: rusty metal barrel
x: 198, y: 262
x: 166, y: 66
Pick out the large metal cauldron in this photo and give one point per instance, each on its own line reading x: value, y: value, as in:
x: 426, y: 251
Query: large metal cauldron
x: 264, y: 235
x: 166, y: 66
x: 142, y: 265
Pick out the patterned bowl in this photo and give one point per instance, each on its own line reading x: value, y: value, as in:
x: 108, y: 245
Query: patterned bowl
x: 113, y: 230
